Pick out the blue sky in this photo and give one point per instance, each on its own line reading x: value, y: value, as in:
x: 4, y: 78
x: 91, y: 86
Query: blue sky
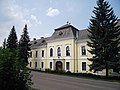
x: 43, y: 16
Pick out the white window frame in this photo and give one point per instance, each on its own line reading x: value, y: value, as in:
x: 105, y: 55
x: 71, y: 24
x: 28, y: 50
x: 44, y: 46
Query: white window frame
x: 83, y: 56
x: 60, y: 49
x: 69, y: 48
x: 82, y: 68
x: 37, y: 54
x: 66, y: 66
x: 49, y: 51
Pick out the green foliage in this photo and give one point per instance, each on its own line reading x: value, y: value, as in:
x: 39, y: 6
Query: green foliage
x: 12, y: 41
x: 14, y: 75
x: 104, y: 36
x: 24, y: 46
x: 7, y: 69
x: 25, y: 78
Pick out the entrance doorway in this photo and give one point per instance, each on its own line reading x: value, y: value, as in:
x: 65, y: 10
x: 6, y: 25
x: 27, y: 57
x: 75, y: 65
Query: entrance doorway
x: 58, y: 65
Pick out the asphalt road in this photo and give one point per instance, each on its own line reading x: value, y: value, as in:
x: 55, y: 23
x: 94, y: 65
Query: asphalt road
x: 43, y: 81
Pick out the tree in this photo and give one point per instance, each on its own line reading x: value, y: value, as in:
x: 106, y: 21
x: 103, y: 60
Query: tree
x: 24, y: 46
x: 4, y: 44
x: 24, y: 73
x: 7, y: 70
x: 104, y: 38
x: 13, y: 72
x: 12, y: 41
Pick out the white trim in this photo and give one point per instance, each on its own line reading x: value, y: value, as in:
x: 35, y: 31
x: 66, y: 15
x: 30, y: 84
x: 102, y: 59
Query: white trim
x: 65, y: 50
x: 81, y: 66
x: 83, y: 56
x: 49, y: 51
x: 60, y: 49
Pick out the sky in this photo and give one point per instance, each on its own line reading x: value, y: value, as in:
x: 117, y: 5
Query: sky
x: 43, y: 16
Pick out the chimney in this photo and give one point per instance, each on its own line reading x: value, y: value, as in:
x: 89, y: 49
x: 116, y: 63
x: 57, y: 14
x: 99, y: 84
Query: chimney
x: 42, y: 37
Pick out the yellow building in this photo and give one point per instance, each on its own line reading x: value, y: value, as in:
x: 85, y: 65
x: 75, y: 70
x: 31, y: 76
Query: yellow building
x: 65, y: 50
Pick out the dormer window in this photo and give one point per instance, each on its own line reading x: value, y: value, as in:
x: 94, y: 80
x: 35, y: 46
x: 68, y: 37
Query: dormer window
x: 35, y: 42
x: 60, y: 33
x: 43, y: 41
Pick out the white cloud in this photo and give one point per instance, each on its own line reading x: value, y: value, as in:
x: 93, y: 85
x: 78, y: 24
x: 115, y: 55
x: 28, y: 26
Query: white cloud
x: 13, y: 14
x: 52, y: 12
x: 34, y: 18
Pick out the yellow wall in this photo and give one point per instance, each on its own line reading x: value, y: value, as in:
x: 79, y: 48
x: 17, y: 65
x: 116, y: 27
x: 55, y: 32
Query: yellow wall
x: 83, y: 58
x: 75, y: 59
x: 62, y: 44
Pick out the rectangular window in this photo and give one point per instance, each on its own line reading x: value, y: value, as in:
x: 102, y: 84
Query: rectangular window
x: 50, y: 65
x: 30, y: 54
x: 83, y: 66
x: 83, y: 50
x: 30, y: 64
x: 36, y: 54
x: 42, y: 64
x: 67, y: 65
x: 35, y: 64
x: 42, y: 53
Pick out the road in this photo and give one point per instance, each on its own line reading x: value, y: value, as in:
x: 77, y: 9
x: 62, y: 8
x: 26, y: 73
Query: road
x: 43, y: 81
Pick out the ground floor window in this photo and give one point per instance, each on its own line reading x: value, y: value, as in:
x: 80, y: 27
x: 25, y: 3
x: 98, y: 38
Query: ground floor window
x: 83, y: 66
x: 35, y: 64
x: 42, y: 64
x: 67, y: 65
x: 30, y: 64
x: 50, y: 65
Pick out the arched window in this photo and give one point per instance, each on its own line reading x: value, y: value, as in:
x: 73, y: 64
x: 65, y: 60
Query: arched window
x: 51, y: 52
x: 67, y: 51
x: 59, y: 51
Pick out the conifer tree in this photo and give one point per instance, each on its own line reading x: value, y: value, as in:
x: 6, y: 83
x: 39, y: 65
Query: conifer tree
x: 24, y: 46
x: 12, y: 41
x: 104, y: 38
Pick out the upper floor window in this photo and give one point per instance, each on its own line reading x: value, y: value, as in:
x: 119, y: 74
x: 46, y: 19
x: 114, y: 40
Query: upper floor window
x: 67, y: 51
x: 36, y: 54
x: 83, y: 50
x: 42, y: 53
x: 30, y: 54
x: 51, y: 52
x: 59, y: 51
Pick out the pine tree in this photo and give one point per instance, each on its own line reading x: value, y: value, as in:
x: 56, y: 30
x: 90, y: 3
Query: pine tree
x: 104, y: 38
x: 12, y: 41
x: 24, y: 46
